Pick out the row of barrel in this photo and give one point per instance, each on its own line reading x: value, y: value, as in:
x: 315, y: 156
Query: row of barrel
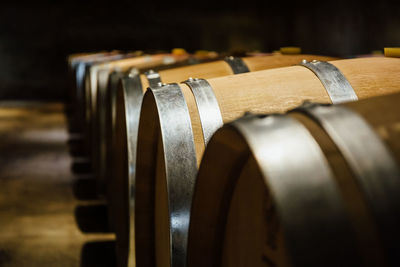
x: 263, y: 160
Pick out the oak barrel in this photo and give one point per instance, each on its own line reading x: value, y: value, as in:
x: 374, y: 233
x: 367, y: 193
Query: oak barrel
x: 78, y: 66
x: 122, y: 151
x: 96, y: 84
x: 171, y: 137
x: 316, y: 187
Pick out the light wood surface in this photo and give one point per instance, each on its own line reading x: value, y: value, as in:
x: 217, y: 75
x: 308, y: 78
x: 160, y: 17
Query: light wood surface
x: 221, y: 68
x: 280, y: 89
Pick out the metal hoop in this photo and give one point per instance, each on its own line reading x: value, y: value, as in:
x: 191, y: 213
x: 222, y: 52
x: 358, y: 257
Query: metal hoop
x: 337, y: 86
x: 207, y: 105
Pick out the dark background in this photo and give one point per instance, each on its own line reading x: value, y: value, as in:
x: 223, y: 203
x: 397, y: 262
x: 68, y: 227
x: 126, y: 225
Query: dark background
x: 36, y: 36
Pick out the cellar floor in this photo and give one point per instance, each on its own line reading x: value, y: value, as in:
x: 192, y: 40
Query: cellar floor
x: 47, y: 212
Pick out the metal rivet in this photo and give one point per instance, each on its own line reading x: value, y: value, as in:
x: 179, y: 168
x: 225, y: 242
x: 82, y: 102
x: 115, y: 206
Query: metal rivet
x: 133, y: 73
x: 159, y: 84
x: 314, y: 61
x: 190, y: 79
x: 304, y: 61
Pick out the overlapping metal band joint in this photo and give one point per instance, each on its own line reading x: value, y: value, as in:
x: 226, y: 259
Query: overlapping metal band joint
x: 153, y: 77
x: 207, y: 106
x: 336, y: 85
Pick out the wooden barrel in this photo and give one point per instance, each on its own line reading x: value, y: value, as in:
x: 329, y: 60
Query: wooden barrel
x: 86, y: 73
x: 98, y: 75
x: 172, y: 137
x: 106, y: 105
x: 205, y: 70
x: 111, y: 91
x: 319, y: 186
x: 122, y: 151
x: 97, y: 101
x: 78, y: 66
x: 72, y: 103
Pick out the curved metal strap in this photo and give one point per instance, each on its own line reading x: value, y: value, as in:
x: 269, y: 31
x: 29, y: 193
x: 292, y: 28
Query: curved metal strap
x: 308, y: 201
x: 94, y: 69
x: 133, y: 96
x: 93, y: 78
x: 80, y: 72
x: 80, y: 76
x: 375, y: 170
x: 114, y: 79
x: 180, y: 164
x: 337, y: 86
x: 237, y: 65
x: 207, y: 105
x: 99, y: 140
x: 133, y: 92
x: 153, y: 77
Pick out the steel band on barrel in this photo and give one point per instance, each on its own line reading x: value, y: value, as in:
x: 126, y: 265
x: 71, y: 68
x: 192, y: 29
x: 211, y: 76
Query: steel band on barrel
x: 153, y: 77
x: 180, y: 164
x: 374, y: 168
x: 207, y: 106
x: 237, y: 65
x: 133, y: 96
x: 303, y: 188
x: 337, y: 86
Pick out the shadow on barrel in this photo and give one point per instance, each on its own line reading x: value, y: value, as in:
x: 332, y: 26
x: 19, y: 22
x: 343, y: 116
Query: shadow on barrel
x: 98, y: 254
